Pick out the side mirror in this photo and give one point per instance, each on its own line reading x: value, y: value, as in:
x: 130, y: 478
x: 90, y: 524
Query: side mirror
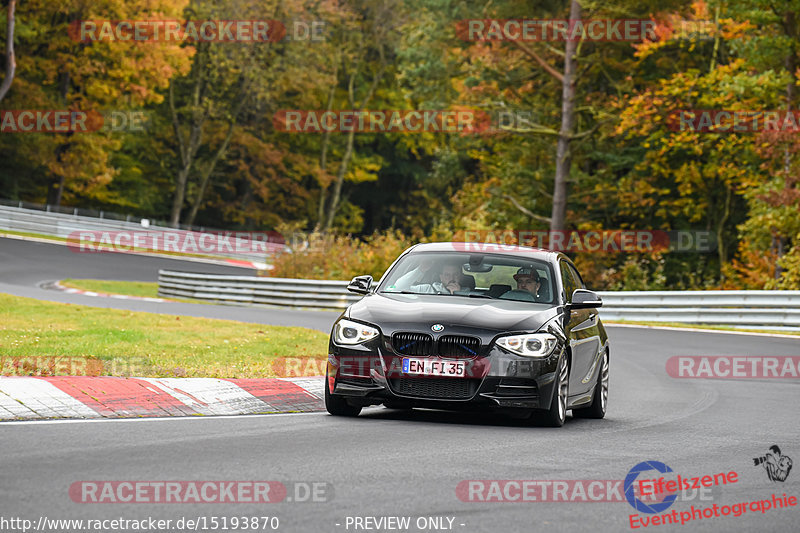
x: 360, y: 284
x: 583, y: 299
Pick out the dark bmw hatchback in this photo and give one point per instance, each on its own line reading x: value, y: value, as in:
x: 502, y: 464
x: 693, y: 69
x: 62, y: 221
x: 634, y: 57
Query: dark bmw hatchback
x: 467, y: 326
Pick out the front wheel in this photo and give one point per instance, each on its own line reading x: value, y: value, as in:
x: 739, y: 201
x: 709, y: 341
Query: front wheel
x: 557, y: 414
x: 600, y: 398
x: 338, y: 406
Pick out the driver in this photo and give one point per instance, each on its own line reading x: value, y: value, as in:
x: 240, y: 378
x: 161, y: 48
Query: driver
x: 447, y: 284
x: 528, y: 280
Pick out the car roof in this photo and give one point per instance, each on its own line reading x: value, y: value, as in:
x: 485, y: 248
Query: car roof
x: 486, y: 248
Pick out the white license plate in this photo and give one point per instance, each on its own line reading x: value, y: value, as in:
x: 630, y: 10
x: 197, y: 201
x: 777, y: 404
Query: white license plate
x: 434, y: 367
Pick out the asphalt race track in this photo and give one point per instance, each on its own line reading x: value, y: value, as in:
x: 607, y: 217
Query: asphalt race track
x: 408, y: 464
x: 24, y: 265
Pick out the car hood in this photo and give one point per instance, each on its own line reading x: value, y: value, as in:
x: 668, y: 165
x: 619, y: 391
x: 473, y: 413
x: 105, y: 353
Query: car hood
x: 418, y: 312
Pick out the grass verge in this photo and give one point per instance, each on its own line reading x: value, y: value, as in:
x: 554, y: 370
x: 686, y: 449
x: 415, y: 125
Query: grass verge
x: 34, y: 235
x: 142, y: 289
x: 149, y: 345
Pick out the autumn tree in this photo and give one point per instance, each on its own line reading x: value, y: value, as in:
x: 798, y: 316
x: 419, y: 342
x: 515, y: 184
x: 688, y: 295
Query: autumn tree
x: 10, y: 59
x: 365, y: 50
x: 100, y: 76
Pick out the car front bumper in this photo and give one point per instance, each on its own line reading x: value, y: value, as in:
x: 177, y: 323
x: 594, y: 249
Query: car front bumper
x: 494, y: 380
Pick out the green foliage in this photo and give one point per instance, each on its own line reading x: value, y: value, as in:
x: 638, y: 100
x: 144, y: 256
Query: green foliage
x: 318, y: 256
x: 629, y: 170
x: 641, y: 274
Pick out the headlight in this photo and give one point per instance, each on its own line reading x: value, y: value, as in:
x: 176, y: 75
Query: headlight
x: 530, y: 345
x: 348, y: 332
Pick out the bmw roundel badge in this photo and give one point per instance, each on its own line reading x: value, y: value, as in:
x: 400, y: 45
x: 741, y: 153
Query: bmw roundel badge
x: 437, y: 328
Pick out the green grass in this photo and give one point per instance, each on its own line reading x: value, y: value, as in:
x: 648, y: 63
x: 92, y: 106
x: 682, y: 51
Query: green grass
x: 143, y: 289
x: 149, y: 345
x: 701, y: 326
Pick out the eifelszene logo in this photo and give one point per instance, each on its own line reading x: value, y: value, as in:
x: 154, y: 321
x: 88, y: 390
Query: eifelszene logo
x: 630, y: 487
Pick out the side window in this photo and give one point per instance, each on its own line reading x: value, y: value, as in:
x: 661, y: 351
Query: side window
x: 577, y: 277
x: 567, y: 281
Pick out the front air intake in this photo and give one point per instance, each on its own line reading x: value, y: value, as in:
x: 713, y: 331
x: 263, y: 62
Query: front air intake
x: 408, y: 343
x: 458, y: 346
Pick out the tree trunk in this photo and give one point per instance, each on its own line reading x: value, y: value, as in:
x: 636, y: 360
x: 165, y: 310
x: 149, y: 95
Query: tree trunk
x: 790, y: 27
x: 337, y: 189
x: 188, y: 150
x: 722, y: 251
x: 563, y: 152
x: 58, y: 184
x: 333, y: 206
x: 56, y: 189
x: 11, y: 61
x: 323, y: 158
x: 220, y: 153
x: 206, y: 175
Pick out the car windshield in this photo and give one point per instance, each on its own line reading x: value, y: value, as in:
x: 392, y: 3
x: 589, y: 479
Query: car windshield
x: 472, y: 276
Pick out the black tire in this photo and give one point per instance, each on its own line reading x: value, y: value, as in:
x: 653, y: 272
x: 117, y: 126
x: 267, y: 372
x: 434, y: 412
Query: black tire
x: 338, y: 406
x: 557, y: 414
x: 600, y: 397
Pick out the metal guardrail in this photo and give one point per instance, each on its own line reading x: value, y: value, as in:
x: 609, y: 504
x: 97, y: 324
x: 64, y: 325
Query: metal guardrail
x: 65, y: 225
x: 251, y: 290
x: 82, y: 212
x: 741, y: 308
x: 735, y: 308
